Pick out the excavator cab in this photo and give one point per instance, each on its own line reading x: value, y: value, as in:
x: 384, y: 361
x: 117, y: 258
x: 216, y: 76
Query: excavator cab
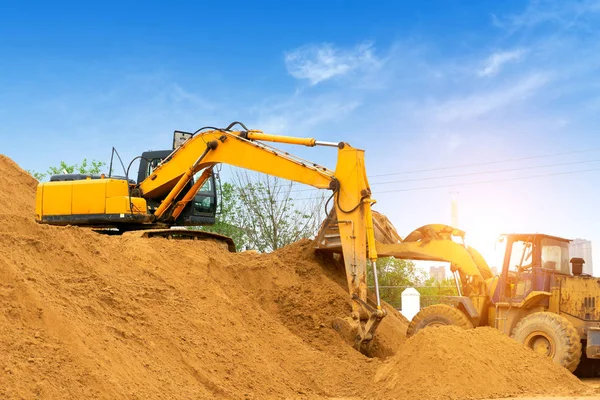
x: 201, y: 210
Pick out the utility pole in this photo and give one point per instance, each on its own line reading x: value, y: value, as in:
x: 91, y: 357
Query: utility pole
x: 454, y: 209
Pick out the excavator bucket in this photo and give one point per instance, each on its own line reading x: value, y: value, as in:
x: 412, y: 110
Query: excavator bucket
x: 328, y: 238
x: 357, y: 331
x: 435, y: 242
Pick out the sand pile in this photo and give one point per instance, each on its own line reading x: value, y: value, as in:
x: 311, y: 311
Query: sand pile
x: 306, y: 292
x: 450, y: 363
x: 90, y: 316
x: 18, y: 189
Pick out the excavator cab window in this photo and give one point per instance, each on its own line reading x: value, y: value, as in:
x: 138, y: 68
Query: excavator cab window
x: 203, y: 209
x: 149, y: 161
x: 151, y: 166
x: 200, y: 211
x: 205, y: 201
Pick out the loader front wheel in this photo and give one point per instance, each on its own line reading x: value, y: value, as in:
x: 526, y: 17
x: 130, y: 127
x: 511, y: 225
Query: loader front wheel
x: 551, y: 335
x: 438, y: 315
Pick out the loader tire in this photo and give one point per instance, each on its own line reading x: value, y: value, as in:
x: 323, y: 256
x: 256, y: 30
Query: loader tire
x: 551, y: 335
x: 438, y: 315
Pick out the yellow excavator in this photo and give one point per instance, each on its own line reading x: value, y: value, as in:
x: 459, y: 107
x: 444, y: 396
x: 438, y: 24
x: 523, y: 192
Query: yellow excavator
x: 176, y: 188
x: 540, y: 298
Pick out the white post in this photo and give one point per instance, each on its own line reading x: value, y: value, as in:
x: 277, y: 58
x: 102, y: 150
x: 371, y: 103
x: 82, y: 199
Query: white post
x: 411, y: 303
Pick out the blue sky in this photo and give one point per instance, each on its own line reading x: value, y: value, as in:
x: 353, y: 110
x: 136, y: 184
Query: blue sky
x: 418, y: 85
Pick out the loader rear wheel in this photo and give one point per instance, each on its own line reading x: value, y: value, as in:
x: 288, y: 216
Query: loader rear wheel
x: 438, y: 315
x: 551, y: 335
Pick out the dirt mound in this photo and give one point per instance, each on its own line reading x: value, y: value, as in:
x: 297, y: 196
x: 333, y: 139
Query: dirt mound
x: 451, y: 363
x: 306, y: 292
x: 18, y: 189
x: 89, y: 316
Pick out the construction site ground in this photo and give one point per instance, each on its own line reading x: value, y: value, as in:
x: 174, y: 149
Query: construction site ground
x: 84, y: 315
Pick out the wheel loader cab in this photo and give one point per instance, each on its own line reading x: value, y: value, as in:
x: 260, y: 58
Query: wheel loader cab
x: 202, y: 210
x: 530, y: 262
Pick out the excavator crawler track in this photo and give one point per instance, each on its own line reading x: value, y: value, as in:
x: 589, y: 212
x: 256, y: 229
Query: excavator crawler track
x: 179, y: 234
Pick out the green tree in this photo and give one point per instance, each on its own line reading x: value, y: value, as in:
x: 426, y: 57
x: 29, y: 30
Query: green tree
x: 227, y: 218
x: 270, y: 216
x: 39, y: 176
x: 259, y: 213
x: 434, y: 291
x: 94, y: 167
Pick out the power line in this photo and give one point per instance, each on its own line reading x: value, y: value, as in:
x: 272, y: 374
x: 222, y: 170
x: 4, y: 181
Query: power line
x: 475, y: 173
x: 469, y: 183
x: 475, y: 165
x: 492, y: 180
x: 429, y: 178
x: 486, y: 172
x: 478, y: 182
x: 486, y: 163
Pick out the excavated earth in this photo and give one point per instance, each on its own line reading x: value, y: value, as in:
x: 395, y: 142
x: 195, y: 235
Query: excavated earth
x: 84, y: 315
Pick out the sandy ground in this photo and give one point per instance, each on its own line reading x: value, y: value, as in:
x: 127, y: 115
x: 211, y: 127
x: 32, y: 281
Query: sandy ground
x: 593, y: 383
x: 89, y: 316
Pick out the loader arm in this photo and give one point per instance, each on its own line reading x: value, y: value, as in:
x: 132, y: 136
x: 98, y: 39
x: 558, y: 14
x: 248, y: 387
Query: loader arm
x: 246, y: 149
x: 436, y: 243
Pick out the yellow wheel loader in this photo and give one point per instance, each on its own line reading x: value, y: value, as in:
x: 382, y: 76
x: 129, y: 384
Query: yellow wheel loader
x: 176, y: 188
x: 540, y: 298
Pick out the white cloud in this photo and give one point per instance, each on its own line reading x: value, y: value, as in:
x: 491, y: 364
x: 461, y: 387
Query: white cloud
x: 318, y: 63
x: 494, y: 63
x: 299, y: 115
x: 565, y: 14
x: 482, y: 103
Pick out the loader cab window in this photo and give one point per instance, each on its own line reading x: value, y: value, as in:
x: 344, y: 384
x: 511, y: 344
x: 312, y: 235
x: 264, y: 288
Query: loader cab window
x: 555, y: 255
x: 520, y: 281
x: 521, y: 256
x: 497, y: 261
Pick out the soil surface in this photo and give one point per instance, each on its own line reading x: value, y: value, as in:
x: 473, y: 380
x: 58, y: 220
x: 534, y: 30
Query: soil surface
x: 84, y: 315
x: 471, y: 363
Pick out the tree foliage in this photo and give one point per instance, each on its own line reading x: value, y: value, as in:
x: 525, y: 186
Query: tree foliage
x: 271, y: 217
x: 397, y: 275
x: 93, y: 167
x: 435, y: 291
x: 260, y: 213
x: 227, y: 218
